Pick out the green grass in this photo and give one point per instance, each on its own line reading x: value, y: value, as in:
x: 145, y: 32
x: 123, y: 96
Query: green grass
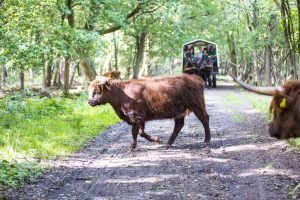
x: 295, y: 142
x: 32, y: 128
x: 232, y: 99
x: 259, y: 103
x: 294, y: 192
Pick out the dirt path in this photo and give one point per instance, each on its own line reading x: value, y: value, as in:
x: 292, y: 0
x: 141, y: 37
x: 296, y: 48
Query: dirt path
x: 241, y: 162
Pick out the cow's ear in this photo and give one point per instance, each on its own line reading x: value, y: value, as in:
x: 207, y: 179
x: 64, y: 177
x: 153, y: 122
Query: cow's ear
x: 283, y: 101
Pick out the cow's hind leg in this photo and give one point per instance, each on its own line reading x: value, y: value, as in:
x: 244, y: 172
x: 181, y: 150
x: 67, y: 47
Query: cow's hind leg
x: 204, y: 118
x: 146, y: 136
x: 179, y: 123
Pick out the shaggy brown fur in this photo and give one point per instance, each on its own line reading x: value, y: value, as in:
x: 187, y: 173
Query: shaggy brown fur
x: 112, y: 74
x: 286, y: 121
x: 141, y: 100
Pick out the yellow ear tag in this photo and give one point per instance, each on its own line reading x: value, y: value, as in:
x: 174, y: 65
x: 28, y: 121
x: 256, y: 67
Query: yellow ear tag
x: 283, y: 103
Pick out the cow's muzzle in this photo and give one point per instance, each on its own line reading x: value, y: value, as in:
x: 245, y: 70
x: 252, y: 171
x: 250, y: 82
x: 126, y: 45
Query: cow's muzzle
x: 273, y: 132
x: 91, y: 102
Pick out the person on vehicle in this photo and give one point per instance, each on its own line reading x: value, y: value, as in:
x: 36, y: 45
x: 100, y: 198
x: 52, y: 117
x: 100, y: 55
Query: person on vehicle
x: 187, y: 55
x: 211, y: 51
x: 199, y: 56
x: 206, y: 66
x: 192, y: 53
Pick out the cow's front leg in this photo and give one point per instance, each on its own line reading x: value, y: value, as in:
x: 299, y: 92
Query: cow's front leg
x: 134, y: 132
x: 146, y: 136
x: 179, y: 123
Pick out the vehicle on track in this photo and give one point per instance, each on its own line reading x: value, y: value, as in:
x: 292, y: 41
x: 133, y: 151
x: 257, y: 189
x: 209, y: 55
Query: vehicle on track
x: 201, y: 57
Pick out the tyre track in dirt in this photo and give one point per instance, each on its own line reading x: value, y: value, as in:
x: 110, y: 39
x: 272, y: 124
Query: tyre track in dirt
x: 241, y: 162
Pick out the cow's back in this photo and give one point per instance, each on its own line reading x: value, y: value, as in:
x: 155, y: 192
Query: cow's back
x: 179, y: 86
x: 166, y: 97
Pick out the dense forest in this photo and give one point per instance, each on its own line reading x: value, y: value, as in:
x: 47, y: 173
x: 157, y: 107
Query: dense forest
x: 54, y: 48
x: 57, y: 42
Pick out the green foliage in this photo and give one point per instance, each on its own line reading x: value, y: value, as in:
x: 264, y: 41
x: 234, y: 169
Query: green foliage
x: 15, y: 174
x: 33, y: 32
x: 295, y: 192
x: 35, y: 128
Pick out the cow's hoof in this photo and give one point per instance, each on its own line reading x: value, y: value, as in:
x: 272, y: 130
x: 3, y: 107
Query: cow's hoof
x: 206, y: 141
x: 131, y: 150
x: 167, y: 146
x: 155, y: 139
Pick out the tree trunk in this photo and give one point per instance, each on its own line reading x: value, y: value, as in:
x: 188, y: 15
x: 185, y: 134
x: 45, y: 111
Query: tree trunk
x: 86, y: 64
x: 130, y: 63
x: 116, y: 52
x: 67, y: 76
x: 109, y: 67
x: 293, y: 71
x: 73, y: 71
x: 107, y: 62
x: 267, y: 63
x: 232, y: 54
x: 256, y: 69
x: 298, y: 11
x: 127, y: 73
x: 21, y: 74
x: 88, y: 69
x: 61, y: 66
x: 55, y: 73
x: 172, y: 66
x: 49, y: 74
x: 44, y: 84
x: 3, y: 75
x: 142, y: 70
x: 71, y: 22
x: 289, y: 33
x: 252, y: 23
x: 146, y: 62
x: 31, y: 76
x: 1, y: 81
x: 140, y: 46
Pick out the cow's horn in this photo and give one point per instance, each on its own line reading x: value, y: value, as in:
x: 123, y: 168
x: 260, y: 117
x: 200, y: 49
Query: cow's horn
x: 270, y: 91
x: 101, y: 79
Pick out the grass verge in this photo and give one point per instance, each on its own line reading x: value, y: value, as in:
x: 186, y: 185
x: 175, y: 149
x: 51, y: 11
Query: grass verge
x: 33, y: 128
x: 232, y: 99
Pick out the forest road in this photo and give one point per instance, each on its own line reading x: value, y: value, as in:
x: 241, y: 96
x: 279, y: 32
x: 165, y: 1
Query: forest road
x: 241, y: 162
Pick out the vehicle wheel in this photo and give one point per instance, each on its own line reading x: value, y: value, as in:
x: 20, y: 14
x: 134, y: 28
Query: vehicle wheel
x: 214, y: 81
